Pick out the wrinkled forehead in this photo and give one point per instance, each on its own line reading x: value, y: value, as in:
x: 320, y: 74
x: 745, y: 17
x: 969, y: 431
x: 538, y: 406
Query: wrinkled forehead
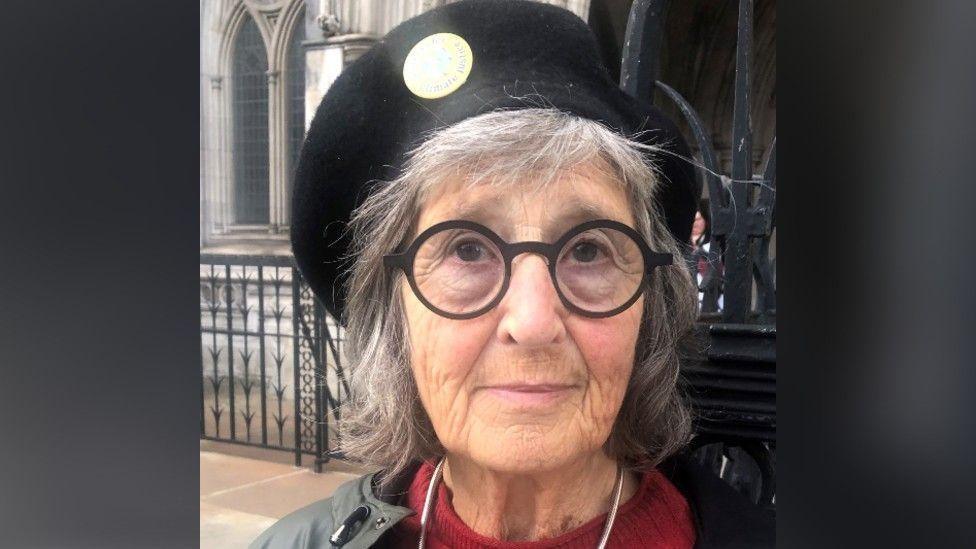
x: 521, y: 210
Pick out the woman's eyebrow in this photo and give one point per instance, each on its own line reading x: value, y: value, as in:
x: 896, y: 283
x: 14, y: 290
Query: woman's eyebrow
x: 492, y: 211
x: 581, y: 209
x: 572, y: 213
x: 480, y: 211
x: 492, y: 208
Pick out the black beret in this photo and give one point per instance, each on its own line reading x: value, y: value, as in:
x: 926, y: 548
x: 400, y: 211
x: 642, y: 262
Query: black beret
x: 512, y: 54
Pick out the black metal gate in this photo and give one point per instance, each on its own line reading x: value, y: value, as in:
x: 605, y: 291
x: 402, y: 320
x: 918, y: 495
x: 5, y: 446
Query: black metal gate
x: 732, y: 380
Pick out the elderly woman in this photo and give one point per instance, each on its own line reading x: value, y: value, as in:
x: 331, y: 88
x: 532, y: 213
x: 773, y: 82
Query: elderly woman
x: 497, y: 226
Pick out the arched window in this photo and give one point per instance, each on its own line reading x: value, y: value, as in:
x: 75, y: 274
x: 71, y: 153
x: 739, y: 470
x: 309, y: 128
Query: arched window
x: 295, y: 80
x: 250, y: 97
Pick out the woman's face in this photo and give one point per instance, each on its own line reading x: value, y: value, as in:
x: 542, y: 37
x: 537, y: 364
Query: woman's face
x: 527, y: 386
x: 698, y: 227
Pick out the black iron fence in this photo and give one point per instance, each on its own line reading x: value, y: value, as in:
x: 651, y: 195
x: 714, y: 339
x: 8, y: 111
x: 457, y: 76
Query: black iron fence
x: 272, y: 358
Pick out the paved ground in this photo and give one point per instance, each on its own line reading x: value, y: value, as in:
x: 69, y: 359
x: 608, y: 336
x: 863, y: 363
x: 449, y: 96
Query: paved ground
x: 244, y: 490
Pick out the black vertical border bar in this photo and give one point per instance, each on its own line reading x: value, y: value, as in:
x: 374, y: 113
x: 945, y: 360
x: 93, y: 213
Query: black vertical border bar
x: 215, y: 301
x: 263, y: 366
x: 640, y: 58
x: 203, y: 377
x: 320, y: 379
x: 230, y: 349
x: 245, y: 309
x: 203, y: 407
x: 329, y: 402
x: 738, y: 287
x: 296, y: 311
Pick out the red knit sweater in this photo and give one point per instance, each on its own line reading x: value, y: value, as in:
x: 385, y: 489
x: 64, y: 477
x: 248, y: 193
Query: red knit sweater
x: 656, y: 516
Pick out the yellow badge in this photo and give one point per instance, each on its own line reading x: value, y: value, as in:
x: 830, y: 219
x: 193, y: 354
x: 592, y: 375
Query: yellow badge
x: 437, y: 65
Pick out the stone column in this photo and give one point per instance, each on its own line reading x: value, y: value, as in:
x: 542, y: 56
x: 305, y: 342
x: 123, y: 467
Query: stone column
x: 277, y: 150
x: 219, y: 193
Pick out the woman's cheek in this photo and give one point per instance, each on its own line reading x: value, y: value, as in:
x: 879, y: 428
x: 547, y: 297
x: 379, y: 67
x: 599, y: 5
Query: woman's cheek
x: 609, y: 351
x: 443, y: 372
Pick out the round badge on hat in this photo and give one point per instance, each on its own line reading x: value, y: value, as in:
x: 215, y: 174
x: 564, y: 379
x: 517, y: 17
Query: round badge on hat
x: 437, y: 65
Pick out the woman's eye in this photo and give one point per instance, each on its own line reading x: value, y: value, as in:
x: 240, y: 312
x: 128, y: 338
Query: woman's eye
x: 585, y: 252
x: 469, y: 251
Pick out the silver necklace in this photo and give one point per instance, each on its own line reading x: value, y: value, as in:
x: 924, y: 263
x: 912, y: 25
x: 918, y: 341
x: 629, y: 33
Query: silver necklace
x: 436, y: 477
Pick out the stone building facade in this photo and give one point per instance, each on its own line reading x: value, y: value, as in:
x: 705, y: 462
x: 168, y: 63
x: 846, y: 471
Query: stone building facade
x: 264, y: 67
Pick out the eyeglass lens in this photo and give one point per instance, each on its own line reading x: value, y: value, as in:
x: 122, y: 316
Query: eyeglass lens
x: 460, y: 271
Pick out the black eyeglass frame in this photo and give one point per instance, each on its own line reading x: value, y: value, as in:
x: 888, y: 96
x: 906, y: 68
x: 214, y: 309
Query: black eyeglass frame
x: 509, y: 251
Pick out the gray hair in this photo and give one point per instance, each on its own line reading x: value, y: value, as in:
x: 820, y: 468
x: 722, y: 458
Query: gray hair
x: 384, y: 423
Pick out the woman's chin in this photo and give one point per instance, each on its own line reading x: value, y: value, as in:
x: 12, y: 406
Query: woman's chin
x: 528, y: 449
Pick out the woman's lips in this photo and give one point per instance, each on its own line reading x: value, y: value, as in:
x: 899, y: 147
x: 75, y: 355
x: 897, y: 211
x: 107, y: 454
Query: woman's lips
x: 530, y: 395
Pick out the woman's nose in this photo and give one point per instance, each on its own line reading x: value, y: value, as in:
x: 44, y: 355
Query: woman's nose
x: 532, y: 313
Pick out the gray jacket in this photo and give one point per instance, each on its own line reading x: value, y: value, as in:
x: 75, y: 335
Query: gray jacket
x: 358, y: 514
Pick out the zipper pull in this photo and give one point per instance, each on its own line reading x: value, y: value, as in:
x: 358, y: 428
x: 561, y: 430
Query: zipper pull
x: 342, y: 534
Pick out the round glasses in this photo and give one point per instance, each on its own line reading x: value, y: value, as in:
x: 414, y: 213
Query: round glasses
x: 461, y: 269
